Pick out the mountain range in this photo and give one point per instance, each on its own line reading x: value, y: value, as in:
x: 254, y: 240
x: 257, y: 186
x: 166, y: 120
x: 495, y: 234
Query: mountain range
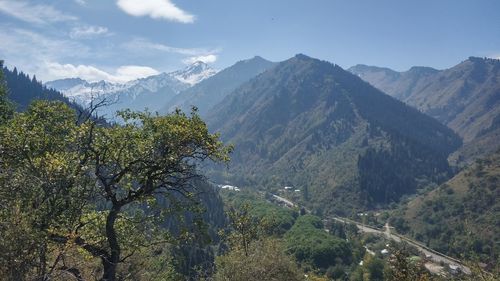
x: 197, y: 85
x: 341, y: 141
x: 465, y: 97
x: 310, y: 124
x: 146, y: 93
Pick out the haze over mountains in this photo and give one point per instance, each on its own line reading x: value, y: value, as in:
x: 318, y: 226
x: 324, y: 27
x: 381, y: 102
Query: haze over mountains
x: 465, y: 97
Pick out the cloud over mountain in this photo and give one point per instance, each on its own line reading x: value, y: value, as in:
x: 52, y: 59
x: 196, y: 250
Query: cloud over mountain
x: 90, y: 73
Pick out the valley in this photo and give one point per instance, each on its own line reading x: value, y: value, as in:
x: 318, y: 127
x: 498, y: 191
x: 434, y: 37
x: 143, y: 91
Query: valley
x: 169, y: 140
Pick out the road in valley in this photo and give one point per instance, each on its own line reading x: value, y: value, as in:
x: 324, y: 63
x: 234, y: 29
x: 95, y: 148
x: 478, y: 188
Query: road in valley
x: 429, y: 253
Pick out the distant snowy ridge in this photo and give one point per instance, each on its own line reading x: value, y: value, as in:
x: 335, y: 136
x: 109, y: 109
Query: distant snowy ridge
x: 84, y: 92
x: 194, y: 73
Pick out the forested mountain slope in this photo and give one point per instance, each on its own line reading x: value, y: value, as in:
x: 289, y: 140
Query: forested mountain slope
x: 312, y: 125
x: 461, y: 216
x: 22, y: 89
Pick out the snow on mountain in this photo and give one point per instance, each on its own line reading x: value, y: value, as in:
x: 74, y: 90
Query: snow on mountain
x: 194, y: 73
x: 150, y: 92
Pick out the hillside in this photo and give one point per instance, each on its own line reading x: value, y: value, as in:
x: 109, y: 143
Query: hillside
x: 461, y: 216
x: 211, y: 91
x: 310, y: 124
x: 465, y: 97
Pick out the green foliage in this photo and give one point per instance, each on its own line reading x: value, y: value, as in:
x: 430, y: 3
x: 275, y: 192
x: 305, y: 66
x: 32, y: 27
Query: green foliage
x: 401, y: 268
x: 273, y: 219
x: 265, y: 260
x: 310, y: 243
x: 43, y: 186
x: 75, y: 184
x: 371, y: 270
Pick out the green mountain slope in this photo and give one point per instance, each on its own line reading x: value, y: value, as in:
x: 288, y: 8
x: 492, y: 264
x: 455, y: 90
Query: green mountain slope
x: 461, y: 216
x: 465, y: 97
x: 211, y: 91
x: 309, y: 124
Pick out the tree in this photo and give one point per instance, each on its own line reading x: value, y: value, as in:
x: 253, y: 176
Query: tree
x: 149, y: 156
x: 87, y: 185
x: 6, y: 107
x: 401, y: 268
x: 244, y: 228
x: 44, y: 187
x: 265, y: 259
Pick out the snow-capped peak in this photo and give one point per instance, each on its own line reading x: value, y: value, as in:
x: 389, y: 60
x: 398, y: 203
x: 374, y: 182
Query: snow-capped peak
x: 83, y: 92
x: 194, y: 73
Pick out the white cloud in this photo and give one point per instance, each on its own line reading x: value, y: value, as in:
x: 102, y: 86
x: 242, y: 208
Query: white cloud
x: 156, y: 9
x: 83, y: 32
x: 81, y: 2
x: 93, y: 74
x: 141, y: 45
x: 132, y: 72
x: 206, y: 59
x: 38, y: 14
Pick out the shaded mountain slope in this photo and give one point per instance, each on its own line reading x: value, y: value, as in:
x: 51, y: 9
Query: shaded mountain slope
x: 310, y: 124
x: 22, y: 90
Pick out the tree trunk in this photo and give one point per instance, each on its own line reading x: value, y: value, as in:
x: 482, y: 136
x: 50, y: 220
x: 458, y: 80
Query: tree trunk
x: 110, y: 262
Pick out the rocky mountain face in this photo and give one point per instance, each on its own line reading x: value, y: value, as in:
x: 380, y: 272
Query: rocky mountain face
x: 344, y: 144
x: 465, y: 97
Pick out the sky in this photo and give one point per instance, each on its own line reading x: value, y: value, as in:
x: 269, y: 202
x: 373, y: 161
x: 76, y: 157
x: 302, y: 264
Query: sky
x: 122, y: 40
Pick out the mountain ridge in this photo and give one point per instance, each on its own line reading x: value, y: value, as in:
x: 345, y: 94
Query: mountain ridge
x: 140, y: 94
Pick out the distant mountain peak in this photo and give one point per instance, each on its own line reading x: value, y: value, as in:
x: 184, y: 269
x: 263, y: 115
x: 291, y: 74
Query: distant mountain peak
x: 422, y: 70
x: 194, y: 73
x: 303, y: 57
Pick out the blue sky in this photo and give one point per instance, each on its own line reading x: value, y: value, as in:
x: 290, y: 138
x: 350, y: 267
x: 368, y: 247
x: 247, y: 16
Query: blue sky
x: 120, y: 40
